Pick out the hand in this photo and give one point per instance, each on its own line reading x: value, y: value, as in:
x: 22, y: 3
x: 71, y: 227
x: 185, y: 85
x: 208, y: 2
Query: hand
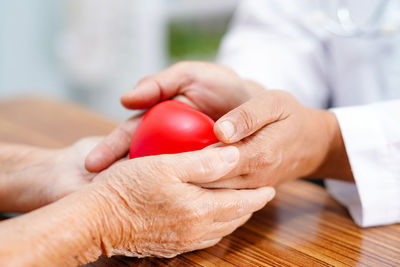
x: 154, y: 211
x: 279, y: 139
x: 37, y: 176
x: 210, y: 88
x: 140, y: 207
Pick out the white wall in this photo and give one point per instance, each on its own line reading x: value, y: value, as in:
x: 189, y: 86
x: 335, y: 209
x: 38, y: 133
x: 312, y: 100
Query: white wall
x: 90, y: 51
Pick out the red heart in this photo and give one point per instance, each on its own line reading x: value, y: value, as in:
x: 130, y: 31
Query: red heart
x: 172, y: 127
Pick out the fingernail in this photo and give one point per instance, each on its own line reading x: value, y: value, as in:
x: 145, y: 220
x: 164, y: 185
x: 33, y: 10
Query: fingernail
x: 93, y: 156
x: 230, y: 154
x: 227, y: 129
x: 127, y: 94
x: 132, y: 93
x: 271, y: 193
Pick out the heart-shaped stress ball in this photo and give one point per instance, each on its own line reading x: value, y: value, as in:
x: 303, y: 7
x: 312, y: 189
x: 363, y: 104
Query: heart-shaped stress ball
x: 172, y: 127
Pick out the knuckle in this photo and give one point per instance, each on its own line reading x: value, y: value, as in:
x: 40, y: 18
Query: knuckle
x: 246, y: 119
x: 182, y: 65
x: 261, y: 160
x: 235, y: 207
x: 283, y: 97
x: 206, y: 165
x: 201, y: 214
x: 186, y: 71
x: 119, y: 170
x: 191, y: 223
x: 146, y: 79
x: 239, y: 207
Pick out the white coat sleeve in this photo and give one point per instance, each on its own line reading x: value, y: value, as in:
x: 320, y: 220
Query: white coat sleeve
x: 269, y: 43
x: 371, y: 135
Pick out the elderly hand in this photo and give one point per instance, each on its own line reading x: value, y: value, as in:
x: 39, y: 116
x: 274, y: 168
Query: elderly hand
x: 161, y: 214
x: 210, y: 88
x: 32, y: 177
x: 141, y: 207
x: 279, y: 139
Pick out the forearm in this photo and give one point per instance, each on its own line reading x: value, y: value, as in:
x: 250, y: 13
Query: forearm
x: 21, y: 168
x: 66, y: 232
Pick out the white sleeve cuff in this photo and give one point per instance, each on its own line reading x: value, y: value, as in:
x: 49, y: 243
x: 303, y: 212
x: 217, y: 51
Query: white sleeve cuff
x: 372, y: 139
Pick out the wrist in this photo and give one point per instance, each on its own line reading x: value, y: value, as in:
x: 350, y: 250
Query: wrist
x: 335, y: 163
x: 116, y: 231
x: 24, y: 170
x: 66, y: 232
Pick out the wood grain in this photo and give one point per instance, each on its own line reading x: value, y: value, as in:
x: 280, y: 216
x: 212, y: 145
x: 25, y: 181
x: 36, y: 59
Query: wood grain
x: 303, y: 226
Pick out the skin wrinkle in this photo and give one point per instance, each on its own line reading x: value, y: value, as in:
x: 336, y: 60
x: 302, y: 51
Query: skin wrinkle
x: 247, y: 121
x: 40, y: 176
x: 160, y: 91
x: 91, y: 254
x: 114, y: 154
x: 186, y: 78
x: 305, y: 134
x: 126, y: 136
x: 95, y: 228
x: 204, y: 85
x: 188, y: 218
x: 286, y: 142
x: 132, y: 209
x: 126, y: 210
x: 132, y: 193
x: 116, y: 211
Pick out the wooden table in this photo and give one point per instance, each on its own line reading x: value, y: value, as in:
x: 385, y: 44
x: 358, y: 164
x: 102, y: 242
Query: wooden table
x: 303, y: 226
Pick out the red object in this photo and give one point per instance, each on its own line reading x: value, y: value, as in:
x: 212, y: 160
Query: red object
x: 172, y: 127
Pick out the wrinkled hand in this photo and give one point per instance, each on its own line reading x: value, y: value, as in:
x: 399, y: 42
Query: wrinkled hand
x: 279, y: 139
x: 210, y: 88
x: 47, y: 175
x: 150, y: 208
x: 68, y: 172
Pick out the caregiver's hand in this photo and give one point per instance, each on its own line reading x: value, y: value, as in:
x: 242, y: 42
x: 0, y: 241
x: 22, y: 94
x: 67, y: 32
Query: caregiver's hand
x: 140, y: 207
x: 210, y: 88
x: 31, y: 177
x: 279, y: 139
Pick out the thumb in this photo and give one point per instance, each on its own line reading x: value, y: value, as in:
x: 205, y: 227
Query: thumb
x: 202, y: 166
x: 248, y: 118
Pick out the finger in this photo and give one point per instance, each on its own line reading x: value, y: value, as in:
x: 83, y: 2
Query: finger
x: 112, y: 147
x: 261, y: 151
x: 201, y: 166
x: 221, y: 229
x: 203, y: 244
x: 231, y: 204
x: 85, y: 145
x: 248, y: 118
x: 157, y: 87
x: 237, y: 182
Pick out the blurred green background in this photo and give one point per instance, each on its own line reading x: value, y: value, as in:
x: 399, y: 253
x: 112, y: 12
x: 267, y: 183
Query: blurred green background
x: 195, y: 40
x: 93, y: 51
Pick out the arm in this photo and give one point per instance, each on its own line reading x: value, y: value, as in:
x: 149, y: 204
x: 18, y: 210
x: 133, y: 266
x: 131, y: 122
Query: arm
x: 371, y: 134
x: 273, y: 46
x: 22, y: 169
x: 281, y: 140
x: 31, y: 177
x: 273, y: 43
x: 64, y: 233
x: 141, y: 207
